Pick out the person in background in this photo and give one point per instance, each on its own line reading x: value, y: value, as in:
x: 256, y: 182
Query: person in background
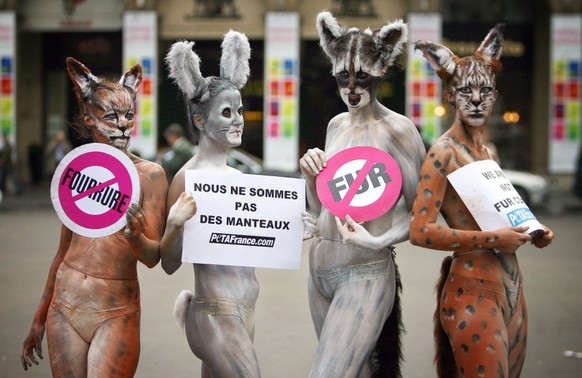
x: 7, y: 170
x: 56, y: 150
x: 181, y: 150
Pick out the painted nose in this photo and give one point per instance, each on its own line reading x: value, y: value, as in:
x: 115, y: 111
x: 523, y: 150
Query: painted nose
x: 122, y: 128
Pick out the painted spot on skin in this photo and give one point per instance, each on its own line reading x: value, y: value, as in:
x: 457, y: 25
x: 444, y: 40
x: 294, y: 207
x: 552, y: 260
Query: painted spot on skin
x: 465, y: 348
x: 455, y: 245
x: 462, y: 324
x: 469, y: 265
x: 424, y: 229
x: 481, y: 370
x: 437, y: 164
x: 490, y: 349
x: 428, y: 241
x: 483, y: 325
x: 437, y: 205
x: 476, y: 338
x: 428, y: 193
x: 470, y: 309
x: 423, y: 211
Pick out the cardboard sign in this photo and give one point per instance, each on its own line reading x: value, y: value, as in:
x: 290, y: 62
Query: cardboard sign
x: 92, y: 188
x: 362, y: 181
x: 491, y: 198
x: 244, y: 220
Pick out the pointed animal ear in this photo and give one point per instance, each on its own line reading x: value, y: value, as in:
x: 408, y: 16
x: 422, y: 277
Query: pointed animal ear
x: 492, y: 46
x: 132, y: 78
x: 390, y: 41
x: 441, y: 59
x: 234, y: 62
x: 329, y: 31
x: 184, y: 67
x: 82, y: 78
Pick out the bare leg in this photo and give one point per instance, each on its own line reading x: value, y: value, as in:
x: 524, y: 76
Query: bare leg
x: 67, y: 350
x: 115, y: 348
x: 224, y: 345
x: 318, y: 306
x: 352, y: 326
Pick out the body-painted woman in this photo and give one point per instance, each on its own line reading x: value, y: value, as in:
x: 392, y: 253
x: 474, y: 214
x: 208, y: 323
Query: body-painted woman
x: 353, y: 284
x: 90, y: 306
x: 218, y: 317
x: 481, y: 318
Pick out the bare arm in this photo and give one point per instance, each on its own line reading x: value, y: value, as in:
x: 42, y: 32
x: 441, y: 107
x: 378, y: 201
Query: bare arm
x: 145, y: 224
x: 33, y: 342
x: 311, y: 164
x: 181, y: 207
x: 464, y: 234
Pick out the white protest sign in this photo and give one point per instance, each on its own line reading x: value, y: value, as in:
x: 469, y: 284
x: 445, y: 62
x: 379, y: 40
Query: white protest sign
x: 244, y: 220
x: 92, y: 188
x: 491, y: 198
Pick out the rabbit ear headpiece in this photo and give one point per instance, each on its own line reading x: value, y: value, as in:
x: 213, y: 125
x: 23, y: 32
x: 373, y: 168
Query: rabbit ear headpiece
x: 184, y: 65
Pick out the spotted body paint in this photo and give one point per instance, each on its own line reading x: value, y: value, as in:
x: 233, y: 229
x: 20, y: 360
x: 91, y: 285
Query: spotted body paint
x: 481, y: 316
x: 91, y: 303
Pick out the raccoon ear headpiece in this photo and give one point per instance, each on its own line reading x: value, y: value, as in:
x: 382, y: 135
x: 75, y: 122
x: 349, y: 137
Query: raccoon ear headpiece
x: 184, y: 66
x: 234, y: 62
x: 388, y: 41
x: 444, y: 62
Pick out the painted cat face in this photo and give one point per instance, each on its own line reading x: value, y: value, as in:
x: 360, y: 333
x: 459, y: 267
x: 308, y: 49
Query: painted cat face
x: 472, y: 90
x: 470, y: 81
x: 110, y: 116
x: 107, y: 107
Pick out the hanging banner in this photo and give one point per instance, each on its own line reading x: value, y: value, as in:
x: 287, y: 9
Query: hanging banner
x: 565, y: 97
x: 244, y: 220
x: 281, y: 100
x: 491, y: 198
x: 8, y: 75
x: 423, y: 86
x: 140, y: 45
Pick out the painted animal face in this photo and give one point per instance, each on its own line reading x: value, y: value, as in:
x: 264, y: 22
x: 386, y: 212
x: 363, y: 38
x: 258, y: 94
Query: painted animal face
x: 225, y: 121
x: 110, y: 116
x: 472, y: 90
x: 360, y: 59
x: 470, y: 81
x: 107, y: 107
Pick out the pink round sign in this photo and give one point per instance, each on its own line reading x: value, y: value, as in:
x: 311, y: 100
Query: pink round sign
x: 362, y: 181
x: 92, y: 188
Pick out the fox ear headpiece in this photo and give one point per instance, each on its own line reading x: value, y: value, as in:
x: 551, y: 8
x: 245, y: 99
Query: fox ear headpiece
x: 184, y: 65
x: 444, y: 62
x: 85, y: 82
x: 375, y: 49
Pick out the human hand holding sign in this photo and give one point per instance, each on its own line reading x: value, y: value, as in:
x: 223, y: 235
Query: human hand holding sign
x: 312, y: 162
x: 355, y: 234
x: 182, y: 210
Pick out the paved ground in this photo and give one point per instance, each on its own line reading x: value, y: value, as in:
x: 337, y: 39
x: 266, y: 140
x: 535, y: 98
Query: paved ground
x: 285, y: 340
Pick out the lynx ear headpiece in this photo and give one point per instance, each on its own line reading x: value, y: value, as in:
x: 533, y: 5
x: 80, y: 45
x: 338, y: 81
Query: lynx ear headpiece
x: 444, y: 62
x: 184, y: 66
x: 352, y: 49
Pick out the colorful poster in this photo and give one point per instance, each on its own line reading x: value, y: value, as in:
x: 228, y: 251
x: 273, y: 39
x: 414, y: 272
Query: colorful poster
x: 140, y: 45
x: 8, y: 75
x: 281, y: 100
x: 565, y: 97
x: 423, y: 86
